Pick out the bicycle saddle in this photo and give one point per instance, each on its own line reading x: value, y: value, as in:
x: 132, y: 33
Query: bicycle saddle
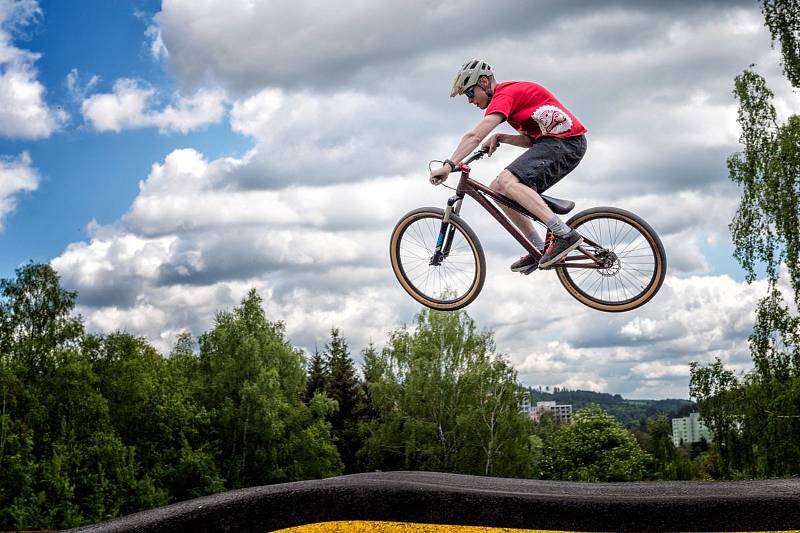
x: 559, y: 206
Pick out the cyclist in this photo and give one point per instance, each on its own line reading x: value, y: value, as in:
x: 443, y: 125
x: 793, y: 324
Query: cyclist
x: 555, y: 141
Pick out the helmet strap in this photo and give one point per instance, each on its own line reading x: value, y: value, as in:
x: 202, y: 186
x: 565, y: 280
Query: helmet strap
x: 488, y: 90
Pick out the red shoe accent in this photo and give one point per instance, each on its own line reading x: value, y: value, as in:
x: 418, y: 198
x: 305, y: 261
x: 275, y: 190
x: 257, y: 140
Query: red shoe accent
x: 548, y: 242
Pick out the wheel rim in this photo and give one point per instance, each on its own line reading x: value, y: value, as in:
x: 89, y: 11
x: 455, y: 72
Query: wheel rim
x: 446, y: 283
x: 631, y: 262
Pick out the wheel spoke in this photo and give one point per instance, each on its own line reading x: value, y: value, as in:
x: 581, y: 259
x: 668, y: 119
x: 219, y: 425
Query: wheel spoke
x: 634, y: 266
x: 453, y: 277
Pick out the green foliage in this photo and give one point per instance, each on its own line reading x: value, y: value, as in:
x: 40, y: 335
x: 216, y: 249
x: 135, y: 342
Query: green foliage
x: 755, y: 419
x: 35, y: 321
x: 92, y: 427
x: 153, y: 410
x: 343, y: 387
x: 318, y: 376
x: 446, y: 402
x: 66, y: 465
x: 783, y: 20
x: 253, y: 383
x: 95, y: 426
x: 765, y: 227
x: 595, y: 447
x: 669, y: 462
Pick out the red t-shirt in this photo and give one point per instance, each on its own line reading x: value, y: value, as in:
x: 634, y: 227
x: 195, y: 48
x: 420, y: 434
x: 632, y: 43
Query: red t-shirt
x: 532, y: 110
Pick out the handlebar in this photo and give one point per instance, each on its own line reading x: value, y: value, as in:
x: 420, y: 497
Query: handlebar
x: 474, y: 157
x: 477, y: 155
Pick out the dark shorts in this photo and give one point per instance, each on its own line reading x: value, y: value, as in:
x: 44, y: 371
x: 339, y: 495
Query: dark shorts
x: 548, y: 160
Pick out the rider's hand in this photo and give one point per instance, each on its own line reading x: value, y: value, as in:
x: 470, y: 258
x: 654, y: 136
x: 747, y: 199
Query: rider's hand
x: 491, y: 144
x: 439, y: 175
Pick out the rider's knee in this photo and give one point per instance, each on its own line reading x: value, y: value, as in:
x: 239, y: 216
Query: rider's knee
x: 503, y: 181
x: 497, y: 186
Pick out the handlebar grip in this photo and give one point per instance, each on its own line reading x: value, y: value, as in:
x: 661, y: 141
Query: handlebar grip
x: 477, y: 155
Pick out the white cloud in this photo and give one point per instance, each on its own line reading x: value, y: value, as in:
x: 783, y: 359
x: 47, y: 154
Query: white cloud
x: 16, y: 176
x: 336, y: 136
x: 157, y: 49
x: 130, y: 103
x: 257, y: 114
x: 78, y: 90
x: 318, y: 256
x: 305, y: 215
x: 24, y: 114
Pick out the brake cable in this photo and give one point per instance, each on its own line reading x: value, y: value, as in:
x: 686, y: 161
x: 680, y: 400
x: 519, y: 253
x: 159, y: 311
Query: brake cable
x: 431, y: 170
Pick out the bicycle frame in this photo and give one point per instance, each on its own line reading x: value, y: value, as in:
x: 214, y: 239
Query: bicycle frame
x: 479, y: 192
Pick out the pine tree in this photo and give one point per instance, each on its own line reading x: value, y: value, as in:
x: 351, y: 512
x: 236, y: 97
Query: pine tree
x: 344, y: 387
x: 318, y: 375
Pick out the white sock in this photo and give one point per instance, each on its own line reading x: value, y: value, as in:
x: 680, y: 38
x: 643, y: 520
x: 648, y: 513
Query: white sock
x: 558, y: 227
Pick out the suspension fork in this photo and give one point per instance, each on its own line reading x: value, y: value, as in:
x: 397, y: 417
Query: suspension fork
x: 445, y: 239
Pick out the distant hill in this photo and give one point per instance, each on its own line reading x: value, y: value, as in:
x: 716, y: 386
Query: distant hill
x: 630, y: 413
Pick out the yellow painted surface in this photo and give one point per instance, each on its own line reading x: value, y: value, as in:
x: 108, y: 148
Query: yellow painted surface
x: 359, y: 526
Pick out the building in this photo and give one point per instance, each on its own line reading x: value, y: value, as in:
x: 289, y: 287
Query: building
x: 561, y: 413
x: 689, y: 429
x: 525, y: 406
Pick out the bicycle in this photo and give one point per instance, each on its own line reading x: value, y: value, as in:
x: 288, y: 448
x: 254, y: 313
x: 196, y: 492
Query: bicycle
x: 620, y: 265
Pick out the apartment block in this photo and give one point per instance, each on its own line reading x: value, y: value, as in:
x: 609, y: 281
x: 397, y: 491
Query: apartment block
x: 562, y: 413
x: 689, y: 429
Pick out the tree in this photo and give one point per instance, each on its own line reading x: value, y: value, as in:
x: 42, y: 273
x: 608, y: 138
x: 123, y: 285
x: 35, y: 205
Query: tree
x: 253, y: 386
x: 669, y: 462
x: 498, y: 433
x: 783, y: 20
x: 446, y: 402
x: 35, y: 321
x: 318, y: 375
x: 595, y: 447
x: 755, y: 420
x: 373, y: 371
x: 62, y: 462
x: 766, y: 227
x: 343, y: 387
x: 152, y: 409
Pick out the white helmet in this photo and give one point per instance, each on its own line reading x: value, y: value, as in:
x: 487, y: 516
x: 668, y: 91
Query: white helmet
x: 469, y: 74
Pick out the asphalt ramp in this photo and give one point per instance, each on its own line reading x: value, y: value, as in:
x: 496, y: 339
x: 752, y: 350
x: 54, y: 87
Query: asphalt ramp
x: 410, y: 502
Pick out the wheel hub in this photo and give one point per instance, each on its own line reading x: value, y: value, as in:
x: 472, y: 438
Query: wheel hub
x: 611, y: 263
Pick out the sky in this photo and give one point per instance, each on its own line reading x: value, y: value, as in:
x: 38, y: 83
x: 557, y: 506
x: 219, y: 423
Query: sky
x: 166, y: 157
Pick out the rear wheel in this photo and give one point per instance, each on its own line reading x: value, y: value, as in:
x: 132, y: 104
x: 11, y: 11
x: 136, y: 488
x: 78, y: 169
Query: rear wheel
x: 443, y: 283
x: 635, y: 262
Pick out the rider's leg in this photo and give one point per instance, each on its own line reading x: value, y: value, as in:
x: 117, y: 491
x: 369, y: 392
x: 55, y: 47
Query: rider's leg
x: 566, y: 238
x: 509, y: 185
x: 521, y: 221
x: 547, y: 161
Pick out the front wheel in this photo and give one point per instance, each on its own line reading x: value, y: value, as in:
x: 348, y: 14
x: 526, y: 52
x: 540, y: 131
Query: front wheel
x: 634, y: 262
x: 445, y: 280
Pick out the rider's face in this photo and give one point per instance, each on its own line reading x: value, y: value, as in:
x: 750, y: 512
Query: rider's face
x: 479, y: 96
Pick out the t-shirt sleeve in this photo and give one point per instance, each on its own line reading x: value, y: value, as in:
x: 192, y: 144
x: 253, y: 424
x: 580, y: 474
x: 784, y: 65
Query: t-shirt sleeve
x: 501, y: 103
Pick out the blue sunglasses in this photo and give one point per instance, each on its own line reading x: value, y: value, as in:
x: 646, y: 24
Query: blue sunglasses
x: 470, y: 92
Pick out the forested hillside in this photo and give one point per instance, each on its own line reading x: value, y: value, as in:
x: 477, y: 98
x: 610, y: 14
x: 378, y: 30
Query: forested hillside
x: 631, y: 413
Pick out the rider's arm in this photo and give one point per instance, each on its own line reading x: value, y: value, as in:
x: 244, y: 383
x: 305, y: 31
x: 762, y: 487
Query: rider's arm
x: 516, y: 140
x: 471, y: 140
